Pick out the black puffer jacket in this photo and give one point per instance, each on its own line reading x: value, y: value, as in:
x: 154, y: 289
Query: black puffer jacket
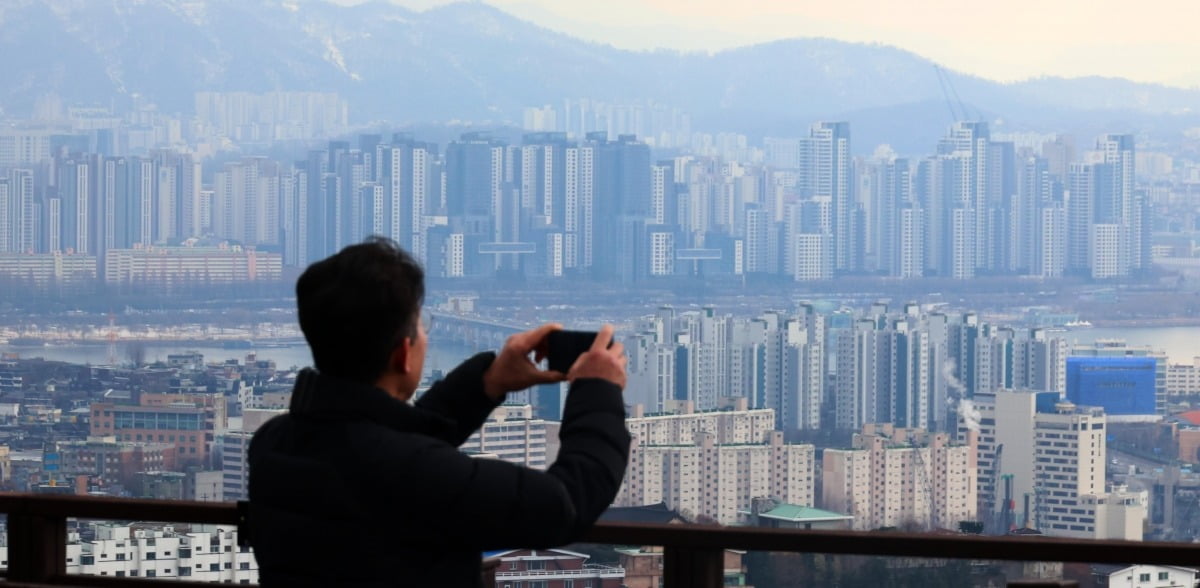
x: 355, y: 488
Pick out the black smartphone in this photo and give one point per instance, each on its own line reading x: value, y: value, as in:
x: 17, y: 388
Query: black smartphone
x: 564, y: 347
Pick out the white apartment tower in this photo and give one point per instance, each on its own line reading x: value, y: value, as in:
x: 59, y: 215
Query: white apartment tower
x: 901, y: 478
x: 1034, y: 449
x: 711, y: 465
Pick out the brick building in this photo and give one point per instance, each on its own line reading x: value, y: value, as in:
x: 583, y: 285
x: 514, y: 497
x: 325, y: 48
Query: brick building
x: 188, y: 421
x: 553, y: 568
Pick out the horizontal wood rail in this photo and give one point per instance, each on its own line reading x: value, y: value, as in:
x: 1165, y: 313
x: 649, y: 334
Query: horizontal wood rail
x: 692, y: 554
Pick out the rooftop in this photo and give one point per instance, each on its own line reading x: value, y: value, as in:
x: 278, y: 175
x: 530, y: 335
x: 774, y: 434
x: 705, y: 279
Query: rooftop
x: 806, y: 514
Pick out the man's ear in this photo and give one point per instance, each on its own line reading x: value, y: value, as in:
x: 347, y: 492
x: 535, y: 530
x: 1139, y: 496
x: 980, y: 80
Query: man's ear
x: 401, y: 355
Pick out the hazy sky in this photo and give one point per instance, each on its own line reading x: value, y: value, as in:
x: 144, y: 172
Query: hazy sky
x: 1143, y: 40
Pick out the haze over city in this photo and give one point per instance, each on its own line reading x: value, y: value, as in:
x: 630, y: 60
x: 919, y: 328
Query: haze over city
x: 919, y: 268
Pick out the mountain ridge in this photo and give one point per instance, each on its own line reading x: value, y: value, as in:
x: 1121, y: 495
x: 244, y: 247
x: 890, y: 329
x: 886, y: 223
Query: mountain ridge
x: 473, y: 61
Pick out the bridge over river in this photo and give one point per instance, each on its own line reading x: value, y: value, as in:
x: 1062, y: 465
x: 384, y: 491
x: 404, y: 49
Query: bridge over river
x: 476, y: 332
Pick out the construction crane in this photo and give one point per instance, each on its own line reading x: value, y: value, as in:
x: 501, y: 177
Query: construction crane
x: 912, y: 442
x: 948, y: 91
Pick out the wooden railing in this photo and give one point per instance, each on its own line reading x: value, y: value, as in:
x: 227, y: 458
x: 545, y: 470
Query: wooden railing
x: 693, y: 555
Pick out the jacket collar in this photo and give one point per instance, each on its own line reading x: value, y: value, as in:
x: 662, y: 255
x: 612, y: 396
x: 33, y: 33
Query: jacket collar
x: 321, y: 397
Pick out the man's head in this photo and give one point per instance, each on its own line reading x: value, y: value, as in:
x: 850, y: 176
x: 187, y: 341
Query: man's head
x: 360, y: 312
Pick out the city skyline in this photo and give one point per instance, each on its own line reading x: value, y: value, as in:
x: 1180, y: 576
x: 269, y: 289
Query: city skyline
x: 625, y: 193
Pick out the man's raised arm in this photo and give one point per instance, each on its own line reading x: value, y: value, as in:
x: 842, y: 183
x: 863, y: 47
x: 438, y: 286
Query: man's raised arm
x: 470, y: 392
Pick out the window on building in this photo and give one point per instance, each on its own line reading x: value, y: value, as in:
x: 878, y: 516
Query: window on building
x: 244, y: 565
x: 119, y: 574
x: 151, y: 555
x: 87, y: 560
x: 214, y: 567
x: 151, y: 574
x: 1144, y: 578
x: 185, y: 571
x: 1164, y: 575
x: 536, y: 565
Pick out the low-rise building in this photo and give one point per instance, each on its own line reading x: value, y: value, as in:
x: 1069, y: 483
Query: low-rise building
x: 107, y: 461
x: 199, y: 553
x: 1144, y: 576
x: 553, y: 568
x: 768, y: 514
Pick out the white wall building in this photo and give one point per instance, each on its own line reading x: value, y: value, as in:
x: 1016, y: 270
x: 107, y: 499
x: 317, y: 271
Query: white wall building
x: 712, y: 465
x: 1144, y: 576
x: 1054, y: 454
x: 204, y: 553
x: 1183, y: 378
x: 512, y: 434
x: 900, y: 477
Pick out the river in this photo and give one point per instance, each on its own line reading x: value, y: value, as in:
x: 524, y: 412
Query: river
x: 442, y: 356
x: 1181, y: 344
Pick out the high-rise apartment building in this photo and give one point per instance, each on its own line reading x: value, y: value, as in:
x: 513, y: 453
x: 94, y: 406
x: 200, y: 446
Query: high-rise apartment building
x: 825, y: 171
x: 1041, y: 464
x: 695, y: 463
x: 899, y: 477
x: 512, y: 433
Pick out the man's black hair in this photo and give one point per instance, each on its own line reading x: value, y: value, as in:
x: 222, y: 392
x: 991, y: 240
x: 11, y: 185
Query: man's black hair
x: 356, y: 306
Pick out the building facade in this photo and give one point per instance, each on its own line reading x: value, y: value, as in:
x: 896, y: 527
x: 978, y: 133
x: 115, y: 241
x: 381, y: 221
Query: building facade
x: 901, y: 478
x: 714, y: 474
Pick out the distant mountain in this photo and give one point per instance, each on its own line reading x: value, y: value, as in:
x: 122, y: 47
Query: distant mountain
x: 471, y: 61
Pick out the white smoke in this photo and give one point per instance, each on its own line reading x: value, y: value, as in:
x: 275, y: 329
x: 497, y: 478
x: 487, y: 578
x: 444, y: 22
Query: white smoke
x: 969, y: 414
x: 948, y: 369
x: 962, y: 406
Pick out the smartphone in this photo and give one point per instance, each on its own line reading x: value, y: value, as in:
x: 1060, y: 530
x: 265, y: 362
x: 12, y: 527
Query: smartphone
x: 564, y: 347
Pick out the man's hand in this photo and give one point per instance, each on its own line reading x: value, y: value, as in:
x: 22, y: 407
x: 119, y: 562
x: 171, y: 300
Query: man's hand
x: 602, y: 361
x: 512, y: 369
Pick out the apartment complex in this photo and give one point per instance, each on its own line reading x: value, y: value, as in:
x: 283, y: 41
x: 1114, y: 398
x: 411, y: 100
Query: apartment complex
x: 710, y: 466
x: 194, y: 265
x: 39, y: 270
x: 897, y: 477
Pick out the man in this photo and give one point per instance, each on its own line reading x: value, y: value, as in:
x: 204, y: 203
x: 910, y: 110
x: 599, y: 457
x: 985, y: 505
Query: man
x: 357, y: 487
